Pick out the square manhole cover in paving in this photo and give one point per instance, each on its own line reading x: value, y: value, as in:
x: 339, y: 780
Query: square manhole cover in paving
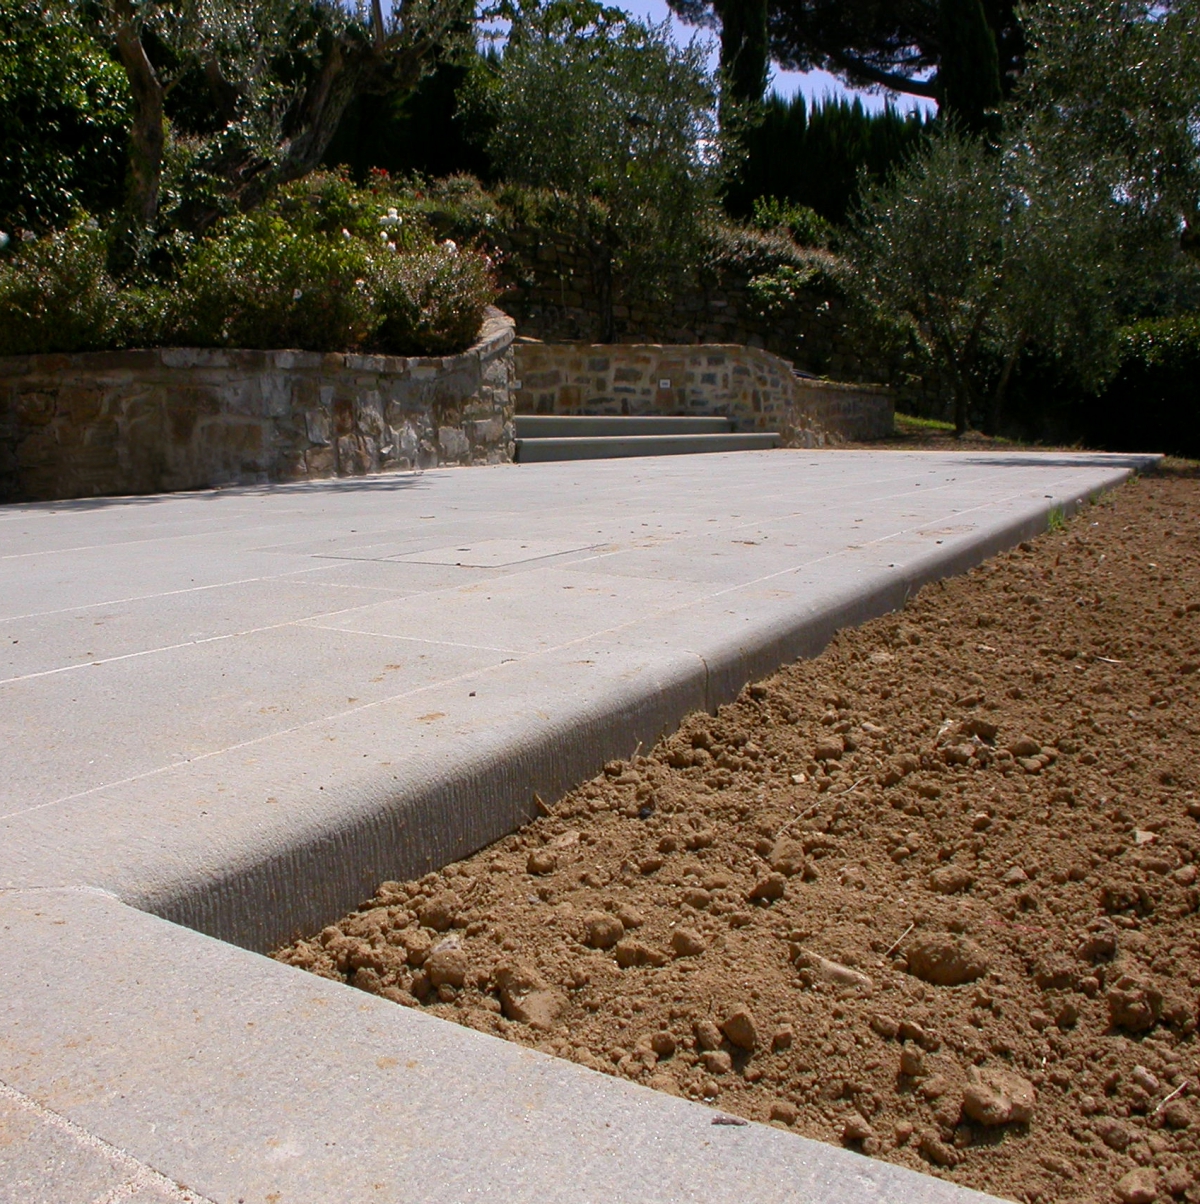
x: 492, y: 553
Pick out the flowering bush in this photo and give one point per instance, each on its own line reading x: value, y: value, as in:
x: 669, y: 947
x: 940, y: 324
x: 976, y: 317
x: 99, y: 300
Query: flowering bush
x: 261, y: 283
x: 430, y: 301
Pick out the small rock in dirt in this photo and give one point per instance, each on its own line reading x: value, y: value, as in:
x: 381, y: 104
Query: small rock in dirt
x: 687, y: 942
x: 996, y: 1096
x: 1178, y: 1114
x: 783, y: 1037
x: 716, y: 1061
x: 629, y: 915
x: 884, y: 1025
x: 946, y: 961
x: 856, y: 1129
x: 768, y: 889
x: 781, y: 1110
x: 825, y: 970
x: 1114, y: 1133
x: 525, y: 998
x: 663, y: 1044
x: 910, y: 1030
x: 438, y: 913
x: 708, y: 1036
x: 829, y: 749
x: 542, y: 861
x: 912, y: 1061
x: 741, y: 1029
x: 1015, y: 876
x: 602, y: 931
x: 1099, y: 942
x: 697, y: 897
x: 950, y: 880
x: 447, y: 967
x: 936, y: 1150
x: 1139, y: 1186
x: 903, y: 1130
x: 1134, y: 1003
x: 1145, y: 1079
x: 1024, y: 746
x: 417, y: 945
x: 637, y: 953
x: 787, y: 857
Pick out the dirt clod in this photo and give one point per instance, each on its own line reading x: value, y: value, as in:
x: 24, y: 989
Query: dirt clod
x: 996, y: 1096
x: 947, y: 961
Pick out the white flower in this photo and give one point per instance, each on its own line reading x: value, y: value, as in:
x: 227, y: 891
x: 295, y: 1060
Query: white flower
x: 28, y: 236
x: 450, y: 245
x: 383, y: 234
x: 391, y: 246
x: 91, y: 224
x: 4, y: 240
x: 297, y: 294
x: 391, y: 218
x: 345, y: 233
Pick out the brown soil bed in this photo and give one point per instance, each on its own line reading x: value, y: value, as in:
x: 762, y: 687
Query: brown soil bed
x: 932, y: 895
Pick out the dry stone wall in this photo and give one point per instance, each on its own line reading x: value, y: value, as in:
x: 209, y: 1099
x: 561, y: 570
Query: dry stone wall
x: 755, y: 388
x: 130, y: 422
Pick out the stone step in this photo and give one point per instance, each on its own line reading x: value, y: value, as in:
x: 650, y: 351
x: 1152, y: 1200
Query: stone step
x: 563, y: 426
x: 530, y: 451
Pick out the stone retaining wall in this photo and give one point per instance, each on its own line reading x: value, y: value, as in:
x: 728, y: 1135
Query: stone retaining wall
x: 132, y: 422
x: 758, y: 390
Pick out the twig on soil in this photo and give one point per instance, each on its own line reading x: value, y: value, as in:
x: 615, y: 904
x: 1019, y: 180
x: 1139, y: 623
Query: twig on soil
x: 1168, y: 1098
x: 537, y: 798
x: 849, y: 789
x: 898, y: 939
x: 797, y: 818
x: 1108, y: 660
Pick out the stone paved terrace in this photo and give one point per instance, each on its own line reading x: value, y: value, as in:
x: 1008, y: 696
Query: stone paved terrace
x: 238, y: 710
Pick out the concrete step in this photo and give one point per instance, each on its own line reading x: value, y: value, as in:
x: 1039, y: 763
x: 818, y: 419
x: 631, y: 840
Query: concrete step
x: 562, y: 426
x: 530, y: 451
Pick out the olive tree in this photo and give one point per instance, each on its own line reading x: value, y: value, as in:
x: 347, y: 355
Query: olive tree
x: 1054, y: 237
x: 614, y: 116
x: 273, y: 78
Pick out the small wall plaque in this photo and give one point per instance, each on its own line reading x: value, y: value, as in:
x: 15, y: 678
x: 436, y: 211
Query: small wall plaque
x: 664, y: 384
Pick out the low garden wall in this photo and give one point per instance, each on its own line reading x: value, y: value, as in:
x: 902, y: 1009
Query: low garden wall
x: 132, y: 422
x: 755, y: 388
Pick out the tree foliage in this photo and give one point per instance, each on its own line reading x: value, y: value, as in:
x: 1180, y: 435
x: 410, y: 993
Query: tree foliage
x: 968, y: 78
x: 268, y: 84
x: 64, y: 108
x: 612, y: 114
x: 895, y: 44
x: 1065, y: 231
x: 816, y: 155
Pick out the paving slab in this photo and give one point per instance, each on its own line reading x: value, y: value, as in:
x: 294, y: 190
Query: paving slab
x: 239, y: 710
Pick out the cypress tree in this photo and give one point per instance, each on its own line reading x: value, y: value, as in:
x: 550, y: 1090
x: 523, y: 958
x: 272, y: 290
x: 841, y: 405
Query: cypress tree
x: 968, y: 78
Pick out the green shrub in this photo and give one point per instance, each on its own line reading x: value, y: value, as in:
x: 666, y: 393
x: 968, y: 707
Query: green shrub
x: 430, y: 301
x: 1150, y: 404
x: 55, y: 294
x: 64, y: 107
x: 258, y: 282
x: 805, y: 226
x: 327, y: 267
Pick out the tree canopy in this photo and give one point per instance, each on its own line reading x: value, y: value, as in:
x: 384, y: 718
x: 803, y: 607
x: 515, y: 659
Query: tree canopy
x: 612, y: 114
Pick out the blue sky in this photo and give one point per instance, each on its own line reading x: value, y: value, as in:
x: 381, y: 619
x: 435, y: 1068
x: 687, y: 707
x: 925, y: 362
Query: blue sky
x: 814, y: 84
